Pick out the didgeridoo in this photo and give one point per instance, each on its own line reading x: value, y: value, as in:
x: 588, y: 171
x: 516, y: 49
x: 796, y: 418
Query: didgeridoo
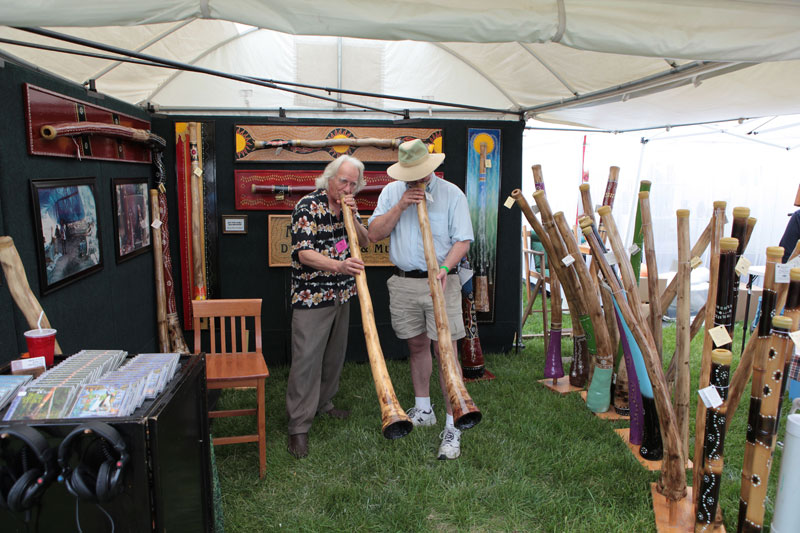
x: 683, y: 338
x: 739, y: 231
x: 326, y: 143
x: 638, y: 236
x: 394, y: 421
x: 713, y: 444
x: 672, y: 483
x: 473, y: 365
x: 301, y: 189
x: 19, y: 288
x: 652, y: 269
x: 158, y: 271
x: 197, y: 216
x: 780, y: 349
x: 75, y: 129
x: 465, y: 413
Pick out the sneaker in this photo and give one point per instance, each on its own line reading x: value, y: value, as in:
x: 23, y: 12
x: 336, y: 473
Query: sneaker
x: 422, y: 418
x: 451, y: 443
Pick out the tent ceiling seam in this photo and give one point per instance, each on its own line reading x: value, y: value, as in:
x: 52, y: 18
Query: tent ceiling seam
x: 146, y: 45
x: 479, y: 71
x: 562, y: 21
x: 552, y: 71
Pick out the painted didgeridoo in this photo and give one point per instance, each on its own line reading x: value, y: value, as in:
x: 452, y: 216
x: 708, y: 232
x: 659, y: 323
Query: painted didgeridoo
x: 394, y: 421
x: 473, y: 365
x: 198, y: 257
x: 158, y: 260
x: 465, y: 413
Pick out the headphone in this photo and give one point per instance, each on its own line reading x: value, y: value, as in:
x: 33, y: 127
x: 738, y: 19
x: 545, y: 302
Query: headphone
x: 21, y: 482
x: 103, y: 482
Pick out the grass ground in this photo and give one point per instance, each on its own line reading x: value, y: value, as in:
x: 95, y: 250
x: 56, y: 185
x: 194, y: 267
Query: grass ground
x: 537, y: 462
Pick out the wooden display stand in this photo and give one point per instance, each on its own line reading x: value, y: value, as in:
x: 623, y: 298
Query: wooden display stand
x: 682, y: 518
x: 562, y: 386
x: 611, y: 414
x: 624, y: 434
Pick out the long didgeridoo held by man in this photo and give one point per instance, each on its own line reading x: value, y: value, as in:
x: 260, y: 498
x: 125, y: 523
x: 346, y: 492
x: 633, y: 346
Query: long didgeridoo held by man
x: 410, y: 303
x: 322, y: 286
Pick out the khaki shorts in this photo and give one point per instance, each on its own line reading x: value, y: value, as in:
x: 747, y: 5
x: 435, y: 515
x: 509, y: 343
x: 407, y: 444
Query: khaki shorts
x: 411, y: 307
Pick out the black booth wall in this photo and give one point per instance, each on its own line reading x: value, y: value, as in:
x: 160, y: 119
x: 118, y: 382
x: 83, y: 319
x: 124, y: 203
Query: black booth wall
x: 115, y: 308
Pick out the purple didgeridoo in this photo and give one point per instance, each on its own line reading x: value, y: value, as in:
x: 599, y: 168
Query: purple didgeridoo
x: 634, y: 393
x: 553, y: 367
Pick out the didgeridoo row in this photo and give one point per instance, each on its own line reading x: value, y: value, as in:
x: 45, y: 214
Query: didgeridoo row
x: 765, y: 430
x: 672, y: 483
x: 161, y: 295
x: 394, y: 421
x: 465, y: 413
x: 19, y: 288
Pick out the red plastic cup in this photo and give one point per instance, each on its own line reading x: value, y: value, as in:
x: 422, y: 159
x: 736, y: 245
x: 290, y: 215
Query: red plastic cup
x: 42, y: 343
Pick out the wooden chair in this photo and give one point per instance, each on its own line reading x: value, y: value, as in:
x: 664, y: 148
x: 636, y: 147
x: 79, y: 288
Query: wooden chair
x: 237, y: 366
x: 536, y: 281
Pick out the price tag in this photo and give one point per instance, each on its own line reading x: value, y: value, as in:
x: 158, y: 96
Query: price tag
x: 782, y: 273
x: 634, y: 249
x: 720, y: 336
x: 742, y: 266
x: 509, y: 202
x: 695, y: 262
x: 795, y: 336
x: 710, y: 397
x: 568, y: 260
x: 488, y: 163
x: 535, y: 209
x: 156, y: 224
x: 27, y: 364
x: 198, y: 172
x: 611, y: 258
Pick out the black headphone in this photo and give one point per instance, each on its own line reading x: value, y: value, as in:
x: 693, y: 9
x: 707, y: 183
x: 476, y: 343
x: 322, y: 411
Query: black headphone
x: 21, y: 482
x: 86, y: 482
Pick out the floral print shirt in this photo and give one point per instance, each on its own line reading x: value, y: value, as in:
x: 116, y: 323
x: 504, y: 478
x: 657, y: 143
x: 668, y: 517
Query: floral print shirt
x: 315, y: 227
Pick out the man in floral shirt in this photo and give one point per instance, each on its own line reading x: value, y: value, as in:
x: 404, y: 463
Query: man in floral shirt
x: 322, y: 285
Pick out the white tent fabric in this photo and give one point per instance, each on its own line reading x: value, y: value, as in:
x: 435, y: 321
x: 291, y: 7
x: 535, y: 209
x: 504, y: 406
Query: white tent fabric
x: 616, y: 64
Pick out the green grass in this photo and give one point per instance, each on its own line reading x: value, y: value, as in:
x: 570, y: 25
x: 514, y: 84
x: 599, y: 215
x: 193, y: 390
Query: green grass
x: 537, y: 462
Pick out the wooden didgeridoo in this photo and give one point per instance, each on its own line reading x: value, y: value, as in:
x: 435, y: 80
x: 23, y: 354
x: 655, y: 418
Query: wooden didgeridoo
x: 652, y: 270
x: 465, y: 413
x: 198, y: 272
x: 751, y: 510
x: 158, y: 271
x: 672, y: 483
x: 598, y: 395
x: 394, y: 421
x: 582, y: 332
x: 739, y: 231
x: 19, y: 288
x: 683, y: 339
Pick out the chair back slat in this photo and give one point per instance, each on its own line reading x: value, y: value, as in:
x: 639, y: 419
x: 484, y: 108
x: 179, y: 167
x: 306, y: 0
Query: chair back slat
x: 225, y: 310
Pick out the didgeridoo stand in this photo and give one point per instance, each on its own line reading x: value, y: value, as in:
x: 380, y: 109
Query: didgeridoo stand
x: 676, y: 517
x: 611, y: 414
x: 654, y: 466
x: 560, y: 385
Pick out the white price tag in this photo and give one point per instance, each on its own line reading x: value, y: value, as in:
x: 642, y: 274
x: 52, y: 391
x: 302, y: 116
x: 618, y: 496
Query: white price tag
x: 568, y: 260
x: 634, y: 249
x: 27, y: 364
x: 710, y: 397
x: 743, y: 266
x: 720, y: 336
x: 782, y: 273
x: 156, y: 224
x: 488, y: 163
x: 198, y: 172
x: 611, y: 258
x: 509, y: 202
x: 695, y: 262
x: 795, y: 336
x: 535, y: 209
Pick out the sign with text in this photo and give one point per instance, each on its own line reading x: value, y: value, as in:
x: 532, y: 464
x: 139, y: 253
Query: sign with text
x: 279, y: 237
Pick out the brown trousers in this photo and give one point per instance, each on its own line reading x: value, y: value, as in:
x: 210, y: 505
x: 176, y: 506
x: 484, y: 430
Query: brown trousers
x: 319, y: 345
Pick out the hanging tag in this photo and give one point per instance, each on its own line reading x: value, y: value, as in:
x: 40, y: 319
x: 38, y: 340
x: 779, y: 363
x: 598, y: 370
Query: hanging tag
x: 535, y: 209
x: 720, y: 336
x: 611, y: 258
x: 156, y: 224
x: 782, y: 273
x: 742, y: 266
x: 162, y: 189
x: 795, y: 336
x: 488, y: 163
x: 695, y: 262
x: 509, y: 202
x: 198, y: 172
x: 634, y: 249
x: 710, y: 397
x: 341, y: 246
x: 568, y: 260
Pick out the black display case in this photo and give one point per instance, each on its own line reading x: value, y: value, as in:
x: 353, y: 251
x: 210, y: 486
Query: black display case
x: 167, y: 482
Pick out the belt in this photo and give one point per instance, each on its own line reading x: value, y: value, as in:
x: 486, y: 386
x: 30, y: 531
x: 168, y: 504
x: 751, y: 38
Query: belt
x: 417, y: 273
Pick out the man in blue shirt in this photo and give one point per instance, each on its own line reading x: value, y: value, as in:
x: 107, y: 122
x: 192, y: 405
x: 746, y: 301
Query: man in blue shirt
x: 410, y: 301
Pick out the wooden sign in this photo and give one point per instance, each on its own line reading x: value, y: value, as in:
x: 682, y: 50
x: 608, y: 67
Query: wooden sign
x: 290, y: 143
x: 279, y: 237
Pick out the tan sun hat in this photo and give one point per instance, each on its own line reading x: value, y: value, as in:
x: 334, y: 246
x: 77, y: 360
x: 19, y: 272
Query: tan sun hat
x: 414, y: 162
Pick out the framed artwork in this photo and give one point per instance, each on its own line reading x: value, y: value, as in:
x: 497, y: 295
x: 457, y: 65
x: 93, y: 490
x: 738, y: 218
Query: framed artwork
x: 68, y: 230
x: 131, y: 218
x: 234, y: 224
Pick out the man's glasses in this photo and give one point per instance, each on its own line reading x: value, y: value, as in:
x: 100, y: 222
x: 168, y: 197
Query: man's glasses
x: 347, y: 183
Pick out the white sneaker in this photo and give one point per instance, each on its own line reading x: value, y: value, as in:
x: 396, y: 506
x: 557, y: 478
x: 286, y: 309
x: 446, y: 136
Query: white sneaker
x: 451, y: 443
x: 422, y: 418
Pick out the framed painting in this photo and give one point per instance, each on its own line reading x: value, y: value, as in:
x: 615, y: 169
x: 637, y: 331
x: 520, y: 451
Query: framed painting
x: 131, y: 218
x: 67, y: 229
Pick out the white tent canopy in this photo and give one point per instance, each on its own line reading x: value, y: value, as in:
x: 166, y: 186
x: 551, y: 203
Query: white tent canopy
x: 616, y: 64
